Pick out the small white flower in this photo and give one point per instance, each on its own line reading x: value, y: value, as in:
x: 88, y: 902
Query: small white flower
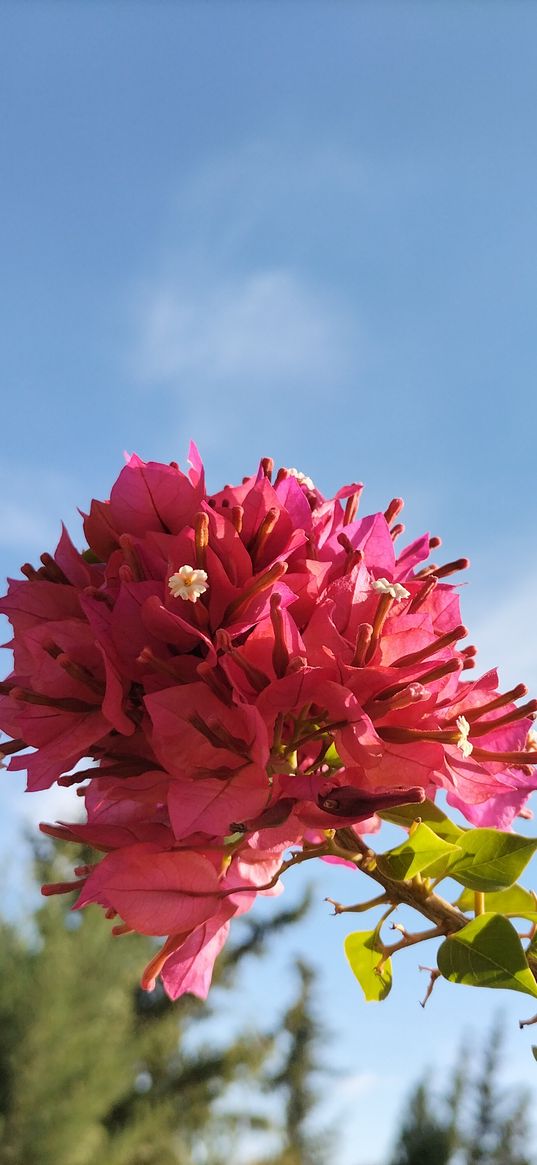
x: 301, y: 478
x: 395, y: 590
x: 462, y: 741
x: 188, y: 583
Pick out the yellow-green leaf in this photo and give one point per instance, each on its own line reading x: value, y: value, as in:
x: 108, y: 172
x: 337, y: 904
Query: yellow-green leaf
x: 420, y: 850
x: 428, y: 812
x: 490, y: 860
x: 364, y: 956
x: 515, y: 901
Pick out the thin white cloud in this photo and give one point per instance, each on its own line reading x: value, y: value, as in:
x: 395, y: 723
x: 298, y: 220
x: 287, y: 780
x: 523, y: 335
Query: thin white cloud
x: 228, y: 330
x: 358, y: 1084
x: 266, y: 326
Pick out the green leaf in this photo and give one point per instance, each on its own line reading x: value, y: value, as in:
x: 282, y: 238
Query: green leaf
x: 429, y: 813
x: 421, y: 850
x: 516, y: 901
x: 490, y: 860
x: 534, y: 1051
x: 364, y: 956
x: 487, y: 953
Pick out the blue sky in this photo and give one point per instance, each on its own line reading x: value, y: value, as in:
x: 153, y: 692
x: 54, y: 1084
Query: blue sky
x: 305, y: 230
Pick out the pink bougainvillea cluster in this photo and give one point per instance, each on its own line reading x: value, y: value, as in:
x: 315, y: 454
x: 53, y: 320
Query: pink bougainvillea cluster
x: 230, y: 675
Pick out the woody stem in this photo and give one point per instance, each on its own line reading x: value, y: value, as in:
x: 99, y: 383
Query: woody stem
x: 416, y: 893
x: 446, y: 917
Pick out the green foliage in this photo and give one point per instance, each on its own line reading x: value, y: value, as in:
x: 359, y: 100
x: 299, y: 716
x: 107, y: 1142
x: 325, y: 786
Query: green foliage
x: 515, y: 901
x: 481, y: 859
x: 422, y: 851
x: 373, y: 972
x: 484, y: 951
x: 490, y: 860
x: 487, y: 953
x: 428, y: 812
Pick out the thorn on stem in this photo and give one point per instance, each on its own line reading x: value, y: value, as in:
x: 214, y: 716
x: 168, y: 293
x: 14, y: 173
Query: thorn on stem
x: 527, y: 1022
x: 338, y: 908
x: 435, y: 974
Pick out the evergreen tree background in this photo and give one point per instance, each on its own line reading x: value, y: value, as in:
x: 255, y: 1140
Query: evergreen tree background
x: 424, y: 1139
x: 296, y: 1078
x: 94, y: 1071
x: 476, y: 1121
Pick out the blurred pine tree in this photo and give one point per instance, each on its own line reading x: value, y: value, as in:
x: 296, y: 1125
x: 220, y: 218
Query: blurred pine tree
x: 476, y: 1122
x: 93, y: 1071
x: 423, y: 1140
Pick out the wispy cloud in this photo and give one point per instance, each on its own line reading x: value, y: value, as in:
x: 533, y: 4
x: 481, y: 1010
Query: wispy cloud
x: 358, y: 1083
x: 233, y: 328
x: 268, y: 325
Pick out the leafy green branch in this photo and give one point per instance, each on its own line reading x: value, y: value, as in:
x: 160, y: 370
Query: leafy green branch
x: 480, y: 944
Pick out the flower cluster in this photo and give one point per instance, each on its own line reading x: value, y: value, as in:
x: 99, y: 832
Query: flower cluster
x: 238, y: 673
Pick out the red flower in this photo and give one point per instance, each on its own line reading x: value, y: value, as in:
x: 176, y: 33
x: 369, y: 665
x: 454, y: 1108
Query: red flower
x: 244, y: 671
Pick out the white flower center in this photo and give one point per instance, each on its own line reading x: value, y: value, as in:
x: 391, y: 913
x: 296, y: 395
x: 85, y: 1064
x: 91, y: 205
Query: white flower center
x: 385, y: 587
x: 301, y: 478
x: 188, y: 583
x: 462, y: 741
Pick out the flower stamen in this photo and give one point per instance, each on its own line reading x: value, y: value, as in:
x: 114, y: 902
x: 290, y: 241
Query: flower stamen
x: 302, y: 478
x: 394, y: 589
x: 462, y: 742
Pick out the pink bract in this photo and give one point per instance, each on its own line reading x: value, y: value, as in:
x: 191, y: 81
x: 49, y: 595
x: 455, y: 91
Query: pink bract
x: 314, y: 677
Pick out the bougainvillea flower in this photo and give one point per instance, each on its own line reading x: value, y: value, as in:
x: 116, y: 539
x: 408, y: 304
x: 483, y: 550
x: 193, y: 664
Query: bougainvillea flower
x: 188, y: 966
x: 154, y: 891
x: 228, y: 675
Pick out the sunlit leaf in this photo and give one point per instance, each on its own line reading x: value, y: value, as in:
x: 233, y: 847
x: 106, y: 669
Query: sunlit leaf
x: 490, y: 860
x: 364, y: 956
x: 428, y: 812
x: 421, y: 850
x: 487, y: 953
x: 515, y: 900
